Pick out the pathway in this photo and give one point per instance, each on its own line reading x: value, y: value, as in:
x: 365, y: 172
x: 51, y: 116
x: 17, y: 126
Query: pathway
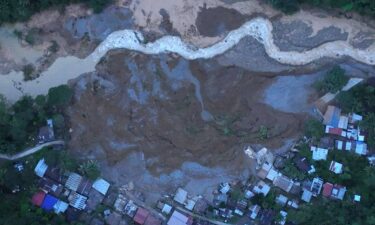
x: 31, y: 150
x: 201, y: 217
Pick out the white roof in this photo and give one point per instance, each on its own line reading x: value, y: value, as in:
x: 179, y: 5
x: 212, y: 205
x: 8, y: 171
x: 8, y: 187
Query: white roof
x: 178, y: 218
x: 77, y: 201
x: 348, y: 146
x: 335, y: 167
x: 262, y: 187
x: 41, y: 168
x: 356, y: 117
x: 281, y: 199
x: 343, y: 122
x: 190, y: 203
x: 361, y: 148
x: 319, y: 153
x: 254, y: 211
x: 60, y: 207
x: 224, y: 187
x: 101, y: 186
x: 73, y: 181
x: 181, y: 196
x: 306, y: 195
x: 283, y: 217
x: 272, y: 174
x: 166, y: 209
x: 339, y: 145
x: 357, y: 198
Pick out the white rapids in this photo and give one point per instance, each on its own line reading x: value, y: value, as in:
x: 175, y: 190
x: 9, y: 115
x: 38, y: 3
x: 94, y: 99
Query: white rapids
x: 66, y: 68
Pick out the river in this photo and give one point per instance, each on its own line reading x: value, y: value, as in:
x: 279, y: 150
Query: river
x: 64, y: 69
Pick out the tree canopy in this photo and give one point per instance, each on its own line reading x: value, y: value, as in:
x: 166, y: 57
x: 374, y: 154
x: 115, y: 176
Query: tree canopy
x: 333, y: 82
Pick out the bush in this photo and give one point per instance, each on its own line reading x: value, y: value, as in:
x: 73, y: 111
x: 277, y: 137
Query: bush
x: 59, y: 96
x: 286, y: 6
x: 90, y: 169
x: 314, y: 129
x: 333, y: 82
x: 28, y: 71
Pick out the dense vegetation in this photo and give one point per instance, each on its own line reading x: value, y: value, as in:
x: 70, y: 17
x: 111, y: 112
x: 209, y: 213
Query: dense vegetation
x: 19, y: 123
x: 21, y: 10
x: 366, y: 7
x: 334, y: 81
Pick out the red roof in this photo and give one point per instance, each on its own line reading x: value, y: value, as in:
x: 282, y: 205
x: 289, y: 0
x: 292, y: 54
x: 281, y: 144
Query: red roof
x: 38, y: 198
x: 140, y: 217
x: 336, y: 131
x: 327, y: 189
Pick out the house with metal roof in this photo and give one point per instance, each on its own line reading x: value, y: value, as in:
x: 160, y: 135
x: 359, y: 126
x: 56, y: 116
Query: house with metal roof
x: 261, y: 188
x: 180, y: 196
x: 141, y: 216
x: 77, y: 201
x: 334, y: 191
x: 319, y: 153
x: 73, y: 182
x: 332, y: 116
x: 178, y: 218
x: 38, y: 198
x: 48, y: 203
x: 254, y: 211
x: 336, y: 167
x: 41, y: 168
x: 283, y: 182
x: 60, y: 207
x: 306, y: 195
x: 101, y: 186
x: 316, y: 186
x: 281, y: 200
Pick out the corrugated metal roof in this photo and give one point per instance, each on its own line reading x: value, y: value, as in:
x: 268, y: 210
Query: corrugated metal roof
x: 38, y: 198
x: 49, y: 202
x: 101, y: 186
x: 73, y: 181
x: 41, y: 168
x: 77, y: 201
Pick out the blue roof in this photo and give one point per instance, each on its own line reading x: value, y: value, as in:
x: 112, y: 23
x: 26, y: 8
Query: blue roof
x: 334, y: 122
x: 49, y: 202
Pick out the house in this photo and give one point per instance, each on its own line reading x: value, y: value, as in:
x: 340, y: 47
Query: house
x: 267, y: 217
x: 334, y: 191
x: 220, y: 199
x: 46, y: 134
x: 343, y: 122
x: 296, y: 188
x: 72, y: 214
x: 224, y: 188
x: 343, y: 145
x: 249, y: 194
x: 336, y: 167
x: 130, y: 208
x: 335, y: 131
x: 101, y: 186
x: 306, y: 195
x: 272, y: 174
x: 152, y: 220
x: 120, y: 203
x: 240, y: 207
x: 48, y: 203
x: 283, y: 216
x: 360, y: 148
x: 73, y: 182
x: 319, y: 153
x: 303, y: 165
x: 41, y: 168
x: 283, y: 182
x: 77, y: 200
x: 38, y: 198
x: 178, y: 218
x: 190, y: 203
x: 253, y: 211
x: 261, y: 188
x: 84, y: 186
x: 94, y: 199
x: 316, y: 186
x: 141, y: 216
x: 281, y: 200
x: 60, y: 207
x: 180, y: 196
x: 50, y: 186
x: 332, y: 116
x: 263, y: 172
x: 165, y: 208
x: 293, y: 203
x: 357, y: 198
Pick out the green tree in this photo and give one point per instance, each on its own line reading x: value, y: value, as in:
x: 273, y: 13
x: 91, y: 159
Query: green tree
x: 314, y: 129
x: 90, y: 169
x: 333, y: 82
x: 59, y: 96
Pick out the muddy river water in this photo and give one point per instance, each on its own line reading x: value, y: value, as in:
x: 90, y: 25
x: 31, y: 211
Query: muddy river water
x: 64, y: 69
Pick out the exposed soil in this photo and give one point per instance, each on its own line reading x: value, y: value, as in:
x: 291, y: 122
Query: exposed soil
x: 133, y: 105
x: 217, y: 21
